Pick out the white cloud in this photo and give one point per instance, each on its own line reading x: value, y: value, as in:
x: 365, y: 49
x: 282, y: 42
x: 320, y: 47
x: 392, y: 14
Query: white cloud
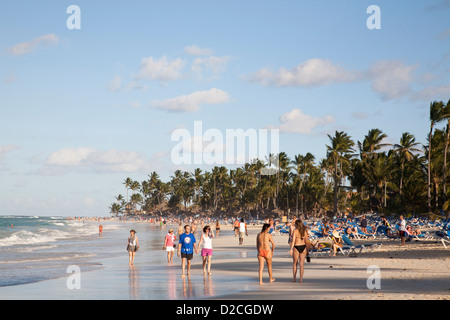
x: 193, y: 101
x: 210, y: 65
x: 296, y: 121
x: 391, y: 79
x: 197, y: 51
x: 90, y: 159
x: 115, y: 85
x: 160, y: 69
x: 29, y: 46
x: 313, y: 72
x: 433, y: 93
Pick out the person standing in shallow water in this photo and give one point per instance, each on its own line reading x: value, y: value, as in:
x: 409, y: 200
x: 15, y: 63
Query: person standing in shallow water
x: 132, y: 247
x: 265, y: 253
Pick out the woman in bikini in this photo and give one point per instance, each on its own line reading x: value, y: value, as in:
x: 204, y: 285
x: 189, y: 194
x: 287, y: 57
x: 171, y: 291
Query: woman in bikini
x: 299, y: 249
x: 265, y: 253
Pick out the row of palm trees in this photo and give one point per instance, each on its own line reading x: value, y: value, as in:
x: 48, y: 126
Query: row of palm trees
x: 357, y: 176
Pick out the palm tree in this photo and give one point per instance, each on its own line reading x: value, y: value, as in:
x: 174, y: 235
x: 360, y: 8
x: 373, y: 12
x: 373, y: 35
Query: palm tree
x: 436, y: 115
x: 115, y: 209
x: 302, y: 164
x: 372, y: 142
x: 446, y: 115
x: 198, y: 181
x: 283, y: 172
x: 128, y: 182
x: 136, y: 199
x: 378, y: 175
x: 405, y: 150
x: 339, y: 153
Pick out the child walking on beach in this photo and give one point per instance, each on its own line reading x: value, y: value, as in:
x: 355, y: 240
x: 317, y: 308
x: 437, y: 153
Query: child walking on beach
x: 206, y: 239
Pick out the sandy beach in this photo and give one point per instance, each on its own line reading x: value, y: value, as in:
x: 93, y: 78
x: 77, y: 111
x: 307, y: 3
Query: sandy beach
x: 418, y: 271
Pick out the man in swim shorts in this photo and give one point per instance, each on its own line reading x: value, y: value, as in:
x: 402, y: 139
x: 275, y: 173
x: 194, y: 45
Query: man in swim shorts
x: 186, y: 247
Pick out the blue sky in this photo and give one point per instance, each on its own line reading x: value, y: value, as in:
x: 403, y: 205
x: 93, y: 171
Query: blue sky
x: 81, y: 110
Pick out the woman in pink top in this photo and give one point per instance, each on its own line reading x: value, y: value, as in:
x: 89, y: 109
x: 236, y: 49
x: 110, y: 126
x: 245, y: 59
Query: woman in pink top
x: 169, y: 242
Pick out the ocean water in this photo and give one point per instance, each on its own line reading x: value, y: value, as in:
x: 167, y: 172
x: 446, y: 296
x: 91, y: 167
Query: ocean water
x: 36, y: 249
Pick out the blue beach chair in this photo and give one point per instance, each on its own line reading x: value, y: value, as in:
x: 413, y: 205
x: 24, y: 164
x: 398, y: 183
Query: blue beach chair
x: 444, y: 237
x: 351, y: 248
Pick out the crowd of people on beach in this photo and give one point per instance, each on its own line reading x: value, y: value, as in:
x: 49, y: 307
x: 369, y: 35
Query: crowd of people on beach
x: 187, y: 244
x: 186, y: 241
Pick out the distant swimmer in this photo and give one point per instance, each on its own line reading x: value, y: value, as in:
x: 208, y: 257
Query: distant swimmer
x: 100, y: 230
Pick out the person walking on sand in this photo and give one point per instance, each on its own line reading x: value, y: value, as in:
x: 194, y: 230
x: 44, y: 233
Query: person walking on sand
x: 402, y: 230
x: 242, y: 231
x: 236, y: 227
x: 299, y: 249
x: 217, y: 228
x: 207, y: 251
x: 265, y: 253
x: 132, y: 247
x: 169, y: 242
x: 100, y: 230
x: 186, y: 247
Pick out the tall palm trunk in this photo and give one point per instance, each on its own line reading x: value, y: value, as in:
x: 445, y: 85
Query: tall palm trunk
x: 336, y: 186
x: 444, y: 170
x: 429, y: 169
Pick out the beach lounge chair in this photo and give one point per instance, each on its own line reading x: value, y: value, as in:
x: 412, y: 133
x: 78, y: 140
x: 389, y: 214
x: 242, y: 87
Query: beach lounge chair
x: 381, y: 232
x: 366, y: 246
x: 364, y: 235
x: 316, y: 252
x: 319, y: 251
x: 350, y: 247
x: 444, y: 237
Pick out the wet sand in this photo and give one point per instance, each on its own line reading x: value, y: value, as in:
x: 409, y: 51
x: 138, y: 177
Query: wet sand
x: 419, y: 270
